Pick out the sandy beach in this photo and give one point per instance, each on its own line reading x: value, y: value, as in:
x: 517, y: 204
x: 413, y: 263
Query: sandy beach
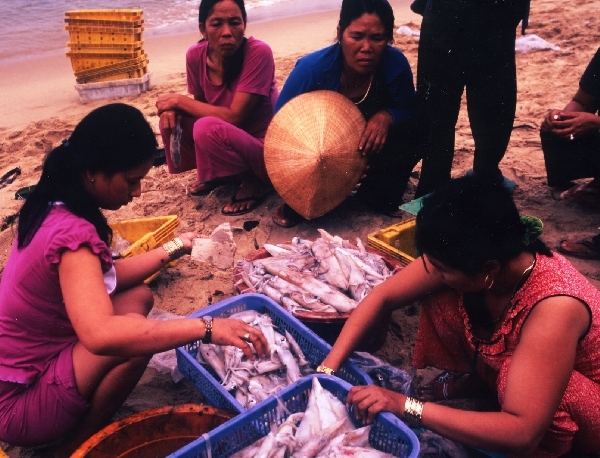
x: 40, y: 107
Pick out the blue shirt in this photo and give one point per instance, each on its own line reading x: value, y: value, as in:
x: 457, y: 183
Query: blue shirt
x: 322, y: 70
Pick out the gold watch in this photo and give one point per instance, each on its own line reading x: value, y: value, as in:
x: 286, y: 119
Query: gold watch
x: 325, y: 370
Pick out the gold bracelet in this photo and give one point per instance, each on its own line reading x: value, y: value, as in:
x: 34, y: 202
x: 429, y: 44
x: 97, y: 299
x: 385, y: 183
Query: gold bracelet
x: 174, y: 248
x: 413, y: 411
x: 325, y: 370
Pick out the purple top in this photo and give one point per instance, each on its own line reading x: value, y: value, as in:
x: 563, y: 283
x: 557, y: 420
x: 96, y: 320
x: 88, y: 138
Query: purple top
x: 34, y: 326
x: 257, y: 77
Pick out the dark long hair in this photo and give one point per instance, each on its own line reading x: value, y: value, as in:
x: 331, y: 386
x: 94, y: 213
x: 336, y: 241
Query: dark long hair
x: 353, y: 9
x: 110, y: 139
x: 235, y: 63
x: 468, y: 222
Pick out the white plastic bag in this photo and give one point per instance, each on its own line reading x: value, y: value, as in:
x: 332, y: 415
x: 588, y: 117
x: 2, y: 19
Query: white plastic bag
x: 165, y: 362
x: 529, y: 43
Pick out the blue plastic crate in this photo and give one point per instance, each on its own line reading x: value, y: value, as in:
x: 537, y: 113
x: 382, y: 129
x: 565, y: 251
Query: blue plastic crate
x: 314, y: 348
x: 388, y: 434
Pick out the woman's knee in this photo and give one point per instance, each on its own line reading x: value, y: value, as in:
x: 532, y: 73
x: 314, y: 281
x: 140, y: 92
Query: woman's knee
x: 208, y: 130
x: 138, y: 299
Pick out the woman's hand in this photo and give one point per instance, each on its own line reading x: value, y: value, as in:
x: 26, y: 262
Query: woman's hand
x: 228, y: 331
x: 574, y: 124
x: 375, y: 134
x: 368, y: 401
x: 187, y: 238
x: 552, y: 116
x: 169, y: 119
x: 167, y: 102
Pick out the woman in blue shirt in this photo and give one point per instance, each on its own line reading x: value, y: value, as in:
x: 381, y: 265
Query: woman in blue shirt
x: 363, y: 66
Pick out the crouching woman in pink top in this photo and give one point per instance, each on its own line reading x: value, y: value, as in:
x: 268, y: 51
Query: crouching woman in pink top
x: 232, y: 81
x: 74, y: 337
x: 499, y: 306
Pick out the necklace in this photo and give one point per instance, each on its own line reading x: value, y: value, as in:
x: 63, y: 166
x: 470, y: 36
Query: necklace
x: 366, y: 93
x: 522, y: 279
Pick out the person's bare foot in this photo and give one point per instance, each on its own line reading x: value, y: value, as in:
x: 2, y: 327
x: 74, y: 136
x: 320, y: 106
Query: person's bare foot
x: 203, y: 189
x: 286, y: 216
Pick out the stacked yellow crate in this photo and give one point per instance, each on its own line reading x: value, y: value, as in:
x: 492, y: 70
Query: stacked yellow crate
x: 107, y: 46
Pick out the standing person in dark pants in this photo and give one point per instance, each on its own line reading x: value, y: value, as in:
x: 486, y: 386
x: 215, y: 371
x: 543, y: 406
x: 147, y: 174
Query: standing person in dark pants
x: 467, y: 44
x: 571, y: 144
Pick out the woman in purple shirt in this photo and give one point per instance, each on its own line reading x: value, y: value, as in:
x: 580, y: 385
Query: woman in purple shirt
x: 232, y: 81
x: 74, y: 338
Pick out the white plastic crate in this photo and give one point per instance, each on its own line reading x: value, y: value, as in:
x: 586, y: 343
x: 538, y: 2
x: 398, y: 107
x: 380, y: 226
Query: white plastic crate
x: 118, y: 88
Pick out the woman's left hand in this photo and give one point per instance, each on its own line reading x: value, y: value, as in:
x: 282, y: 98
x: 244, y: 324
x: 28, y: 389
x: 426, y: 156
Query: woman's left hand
x: 368, y: 401
x: 375, y: 134
x: 167, y: 102
x: 188, y: 240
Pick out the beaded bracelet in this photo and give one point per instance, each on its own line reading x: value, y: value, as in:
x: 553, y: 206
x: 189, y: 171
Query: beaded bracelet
x: 413, y: 411
x: 174, y: 248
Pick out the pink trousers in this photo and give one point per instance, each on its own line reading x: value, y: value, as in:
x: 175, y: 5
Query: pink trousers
x: 216, y: 148
x: 45, y: 411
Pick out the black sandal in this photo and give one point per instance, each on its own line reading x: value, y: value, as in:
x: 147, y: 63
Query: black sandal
x: 257, y: 199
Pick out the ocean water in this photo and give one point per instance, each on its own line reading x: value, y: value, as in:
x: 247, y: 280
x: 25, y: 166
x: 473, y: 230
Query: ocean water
x: 30, y: 28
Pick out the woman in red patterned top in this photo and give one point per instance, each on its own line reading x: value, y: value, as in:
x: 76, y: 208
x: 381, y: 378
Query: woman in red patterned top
x: 498, y: 304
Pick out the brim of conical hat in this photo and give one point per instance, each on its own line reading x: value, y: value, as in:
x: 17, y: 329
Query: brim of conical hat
x: 311, y: 151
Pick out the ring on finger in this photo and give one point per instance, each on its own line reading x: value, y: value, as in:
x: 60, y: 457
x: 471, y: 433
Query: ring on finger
x: 571, y: 137
x: 246, y: 337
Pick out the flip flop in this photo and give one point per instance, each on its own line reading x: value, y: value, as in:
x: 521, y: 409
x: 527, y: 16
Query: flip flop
x: 580, y: 191
x: 9, y: 177
x: 588, y: 248
x: 256, y: 199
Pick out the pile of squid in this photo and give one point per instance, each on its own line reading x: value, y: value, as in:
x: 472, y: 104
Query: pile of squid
x: 326, y: 275
x: 253, y: 381
x: 323, y: 430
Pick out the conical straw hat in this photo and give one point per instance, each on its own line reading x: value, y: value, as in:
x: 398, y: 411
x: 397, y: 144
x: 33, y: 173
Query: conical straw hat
x: 311, y: 151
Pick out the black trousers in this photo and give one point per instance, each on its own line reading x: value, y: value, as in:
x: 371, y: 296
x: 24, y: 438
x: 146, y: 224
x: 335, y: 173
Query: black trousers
x: 485, y: 66
x: 568, y: 160
x: 389, y: 170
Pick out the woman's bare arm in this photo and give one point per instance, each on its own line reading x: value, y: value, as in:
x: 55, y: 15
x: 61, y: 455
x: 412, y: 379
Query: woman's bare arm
x: 411, y: 283
x: 237, y: 113
x: 102, y: 332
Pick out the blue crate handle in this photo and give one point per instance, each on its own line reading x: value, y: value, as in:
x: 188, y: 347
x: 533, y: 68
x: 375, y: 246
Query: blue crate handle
x: 388, y: 434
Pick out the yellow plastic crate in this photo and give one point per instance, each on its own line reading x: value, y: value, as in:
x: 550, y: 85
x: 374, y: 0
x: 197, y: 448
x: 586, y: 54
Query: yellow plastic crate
x: 145, y: 234
x: 103, y: 23
x: 130, y: 68
x: 105, y: 14
x: 85, y: 61
x: 113, y: 75
x: 105, y: 48
x: 397, y: 241
x: 92, y: 33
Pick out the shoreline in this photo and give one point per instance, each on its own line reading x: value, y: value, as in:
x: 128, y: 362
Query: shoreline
x: 43, y: 87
